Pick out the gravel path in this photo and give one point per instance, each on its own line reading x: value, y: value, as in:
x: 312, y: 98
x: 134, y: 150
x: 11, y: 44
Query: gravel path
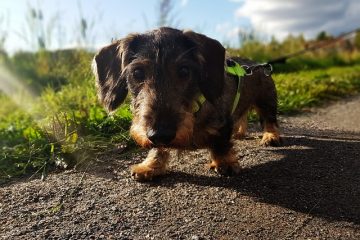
x: 307, y: 189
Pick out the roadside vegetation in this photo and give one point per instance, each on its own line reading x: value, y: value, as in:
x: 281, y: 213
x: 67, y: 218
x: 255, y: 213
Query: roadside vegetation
x: 50, y: 117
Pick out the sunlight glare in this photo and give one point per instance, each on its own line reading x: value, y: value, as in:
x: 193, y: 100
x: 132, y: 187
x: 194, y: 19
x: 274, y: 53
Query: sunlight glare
x: 15, y: 89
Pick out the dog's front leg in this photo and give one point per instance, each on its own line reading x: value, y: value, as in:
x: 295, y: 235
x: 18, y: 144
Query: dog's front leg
x: 154, y: 165
x: 222, y: 153
x: 224, y: 163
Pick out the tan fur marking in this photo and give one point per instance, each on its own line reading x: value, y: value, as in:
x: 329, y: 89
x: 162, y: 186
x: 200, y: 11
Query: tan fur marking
x: 138, y: 133
x: 271, y: 135
x: 155, y: 164
x: 241, y: 127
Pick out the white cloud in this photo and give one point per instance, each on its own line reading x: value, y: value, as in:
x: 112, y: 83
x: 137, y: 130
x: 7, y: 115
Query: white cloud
x: 279, y: 17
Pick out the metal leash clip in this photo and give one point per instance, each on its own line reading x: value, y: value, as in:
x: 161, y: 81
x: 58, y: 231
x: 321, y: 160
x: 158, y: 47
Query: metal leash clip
x: 248, y: 69
x: 268, y: 69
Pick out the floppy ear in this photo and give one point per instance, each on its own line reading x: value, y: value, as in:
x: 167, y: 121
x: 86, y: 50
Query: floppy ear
x: 212, y: 56
x: 112, y: 87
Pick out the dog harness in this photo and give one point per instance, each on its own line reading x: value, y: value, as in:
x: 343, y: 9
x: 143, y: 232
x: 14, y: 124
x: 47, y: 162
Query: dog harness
x: 234, y: 69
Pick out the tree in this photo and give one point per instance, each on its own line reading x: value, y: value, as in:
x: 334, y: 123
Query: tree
x: 322, y: 36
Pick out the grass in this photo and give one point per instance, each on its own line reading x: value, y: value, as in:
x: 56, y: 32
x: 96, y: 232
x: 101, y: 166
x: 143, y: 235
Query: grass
x: 64, y: 125
x: 309, y: 88
x: 63, y: 128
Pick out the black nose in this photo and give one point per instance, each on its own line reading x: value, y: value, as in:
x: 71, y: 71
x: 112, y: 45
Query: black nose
x: 160, y: 136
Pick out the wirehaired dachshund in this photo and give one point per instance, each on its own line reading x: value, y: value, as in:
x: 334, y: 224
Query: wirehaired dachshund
x: 166, y: 72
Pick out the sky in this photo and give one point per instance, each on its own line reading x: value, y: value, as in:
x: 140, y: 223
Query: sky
x: 219, y: 19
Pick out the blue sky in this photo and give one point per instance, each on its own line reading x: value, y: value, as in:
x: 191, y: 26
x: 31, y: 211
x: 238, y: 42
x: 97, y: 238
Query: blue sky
x: 220, y: 19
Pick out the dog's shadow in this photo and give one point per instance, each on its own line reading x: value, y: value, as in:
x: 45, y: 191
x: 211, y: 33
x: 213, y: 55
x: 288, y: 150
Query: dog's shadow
x: 322, y: 178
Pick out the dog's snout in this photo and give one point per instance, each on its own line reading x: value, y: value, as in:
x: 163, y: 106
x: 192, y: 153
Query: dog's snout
x: 160, y: 136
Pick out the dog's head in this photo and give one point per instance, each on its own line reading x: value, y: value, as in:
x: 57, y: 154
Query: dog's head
x: 164, y: 70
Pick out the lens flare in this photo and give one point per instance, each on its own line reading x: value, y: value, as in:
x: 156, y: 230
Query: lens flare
x: 16, y: 90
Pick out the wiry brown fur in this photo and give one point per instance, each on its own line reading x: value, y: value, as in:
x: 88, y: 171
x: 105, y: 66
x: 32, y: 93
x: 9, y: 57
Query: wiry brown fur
x: 165, y: 71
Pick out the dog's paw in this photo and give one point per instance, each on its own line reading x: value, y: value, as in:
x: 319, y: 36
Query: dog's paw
x: 225, y: 168
x: 271, y: 139
x: 142, y: 172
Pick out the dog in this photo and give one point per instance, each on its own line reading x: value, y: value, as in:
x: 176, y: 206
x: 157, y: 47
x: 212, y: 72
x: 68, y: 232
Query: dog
x: 167, y: 72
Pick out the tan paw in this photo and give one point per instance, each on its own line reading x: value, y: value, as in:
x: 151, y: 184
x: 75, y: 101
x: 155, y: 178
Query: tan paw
x: 225, y: 168
x: 142, y: 172
x: 271, y: 139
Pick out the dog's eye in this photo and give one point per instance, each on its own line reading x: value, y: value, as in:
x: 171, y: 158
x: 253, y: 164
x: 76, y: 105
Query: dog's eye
x: 184, y: 72
x: 139, y: 74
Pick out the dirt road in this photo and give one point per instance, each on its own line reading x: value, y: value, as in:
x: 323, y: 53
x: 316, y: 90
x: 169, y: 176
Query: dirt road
x: 307, y: 189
